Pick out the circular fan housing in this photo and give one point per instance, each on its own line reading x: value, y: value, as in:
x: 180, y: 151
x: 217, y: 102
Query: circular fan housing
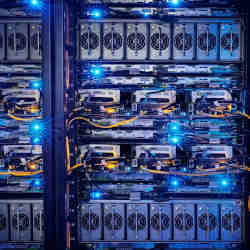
x: 137, y: 221
x: 3, y: 222
x: 112, y: 41
x: 113, y: 221
x: 20, y: 222
x: 159, y: 41
x: 183, y: 40
x: 136, y: 41
x: 207, y: 222
x: 160, y: 222
x: 39, y: 222
x: 206, y: 41
x: 89, y: 40
x: 231, y: 222
x: 90, y: 221
x: 34, y: 41
x: 20, y: 41
x: 184, y: 222
x: 229, y: 41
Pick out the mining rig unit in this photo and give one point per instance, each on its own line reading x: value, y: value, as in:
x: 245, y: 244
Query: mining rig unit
x: 124, y: 124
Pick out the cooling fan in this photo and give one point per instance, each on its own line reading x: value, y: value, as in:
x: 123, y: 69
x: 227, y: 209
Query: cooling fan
x: 35, y: 42
x: 136, y: 41
x: 20, y: 222
x: 183, y: 221
x: 159, y: 41
x: 3, y: 222
x: 231, y: 222
x: 207, y: 44
x: 137, y: 221
x: 114, y: 224
x: 90, y: 222
x: 113, y: 41
x: 230, y: 42
x: 39, y: 222
x: 17, y: 41
x: 183, y: 41
x: 90, y: 41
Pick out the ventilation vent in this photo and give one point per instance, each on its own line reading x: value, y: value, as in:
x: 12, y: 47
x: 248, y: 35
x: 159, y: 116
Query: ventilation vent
x: 34, y: 41
x: 113, y: 221
x: 112, y: 41
x: 206, y: 41
x: 137, y: 221
x: 207, y: 222
x: 3, y: 222
x: 230, y: 41
x: 231, y: 222
x: 20, y: 222
x: 184, y: 222
x: 159, y: 41
x: 183, y: 41
x: 89, y: 40
x: 17, y: 41
x: 90, y: 221
x: 160, y: 222
x: 136, y: 41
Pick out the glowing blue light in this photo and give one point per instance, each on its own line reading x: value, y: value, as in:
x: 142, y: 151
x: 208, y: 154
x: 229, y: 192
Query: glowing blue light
x: 174, y: 183
x: 175, y: 2
x: 175, y: 140
x: 146, y: 13
x: 37, y: 183
x: 96, y: 13
x: 36, y: 127
x: 96, y: 195
x: 224, y: 182
x: 174, y: 127
x: 36, y: 140
x: 36, y: 84
x: 34, y: 2
x: 96, y: 71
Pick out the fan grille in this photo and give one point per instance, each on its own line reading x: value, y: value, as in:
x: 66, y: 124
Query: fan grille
x: 159, y: 41
x: 3, y: 222
x: 183, y: 40
x: 160, y: 222
x: 231, y: 222
x: 90, y: 221
x: 20, y: 41
x: 137, y: 221
x: 229, y: 41
x: 89, y: 40
x: 113, y: 41
x: 136, y: 41
x: 39, y: 221
x: 113, y: 221
x: 207, y: 222
x: 20, y: 222
x: 206, y: 41
x: 184, y: 222
x: 34, y: 41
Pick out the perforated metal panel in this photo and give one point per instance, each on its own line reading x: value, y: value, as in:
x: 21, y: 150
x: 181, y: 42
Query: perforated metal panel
x: 90, y: 222
x: 160, y: 222
x: 184, y: 224
x: 208, y: 222
x: 38, y: 222
x: 90, y: 41
x: 35, y: 42
x: 137, y: 222
x: 207, y: 41
x: 17, y: 41
x: 113, y: 41
x: 4, y: 222
x: 20, y: 219
x: 114, y: 222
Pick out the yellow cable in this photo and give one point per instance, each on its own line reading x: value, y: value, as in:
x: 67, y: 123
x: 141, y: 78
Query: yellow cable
x: 22, y: 119
x: 67, y: 153
x: 75, y: 166
x: 102, y: 126
x: 21, y: 173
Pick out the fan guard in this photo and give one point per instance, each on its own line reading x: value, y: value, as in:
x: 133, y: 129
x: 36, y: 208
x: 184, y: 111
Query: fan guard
x: 207, y: 222
x: 231, y: 222
x: 20, y: 222
x: 183, y: 39
x: 136, y: 41
x: 90, y: 221
x: 206, y: 41
x: 20, y: 41
x: 89, y: 40
x: 137, y: 221
x: 229, y: 38
x: 113, y: 221
x: 112, y: 41
x: 159, y: 41
x: 160, y: 222
x: 184, y: 222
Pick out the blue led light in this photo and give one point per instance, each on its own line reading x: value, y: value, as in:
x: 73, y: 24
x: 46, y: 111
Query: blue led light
x: 146, y: 13
x: 224, y: 183
x: 36, y: 128
x: 174, y: 127
x: 174, y: 140
x: 37, y: 183
x: 175, y: 2
x: 36, y: 140
x: 174, y: 182
x: 34, y: 3
x: 96, y: 13
x: 36, y: 84
x: 96, y: 195
x: 96, y: 71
